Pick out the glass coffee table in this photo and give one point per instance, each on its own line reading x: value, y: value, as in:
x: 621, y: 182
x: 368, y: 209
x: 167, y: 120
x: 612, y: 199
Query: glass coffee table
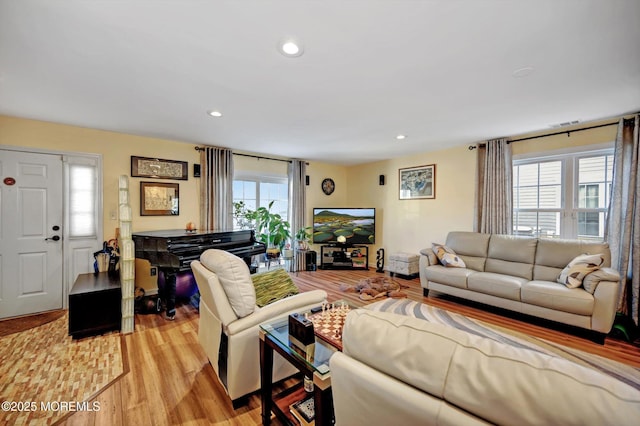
x: 311, y: 360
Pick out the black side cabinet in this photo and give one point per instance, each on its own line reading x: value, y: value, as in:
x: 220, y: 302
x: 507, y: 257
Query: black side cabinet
x: 95, y: 305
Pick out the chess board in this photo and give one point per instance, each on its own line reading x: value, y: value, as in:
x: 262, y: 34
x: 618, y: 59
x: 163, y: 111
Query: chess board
x: 328, y: 325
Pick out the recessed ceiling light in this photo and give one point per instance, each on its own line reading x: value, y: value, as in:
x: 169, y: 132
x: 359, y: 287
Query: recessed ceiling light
x: 214, y: 113
x: 290, y: 48
x: 400, y: 137
x: 522, y: 72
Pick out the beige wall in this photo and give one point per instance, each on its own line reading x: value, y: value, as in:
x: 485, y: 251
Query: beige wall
x: 410, y: 225
x: 116, y: 150
x: 316, y: 198
x: 249, y: 165
x: 562, y: 141
x: 402, y: 225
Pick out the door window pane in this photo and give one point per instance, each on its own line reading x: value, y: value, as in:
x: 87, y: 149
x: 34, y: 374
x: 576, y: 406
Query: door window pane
x: 82, y: 200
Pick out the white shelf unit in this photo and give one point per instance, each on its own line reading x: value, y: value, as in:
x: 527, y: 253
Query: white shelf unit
x: 127, y: 255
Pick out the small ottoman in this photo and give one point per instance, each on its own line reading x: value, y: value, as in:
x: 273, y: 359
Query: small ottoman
x: 405, y: 265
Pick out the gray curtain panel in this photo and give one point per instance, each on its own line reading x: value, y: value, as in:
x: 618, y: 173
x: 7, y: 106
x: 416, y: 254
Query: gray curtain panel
x: 494, y: 207
x: 623, y: 219
x: 297, y: 199
x: 216, y: 189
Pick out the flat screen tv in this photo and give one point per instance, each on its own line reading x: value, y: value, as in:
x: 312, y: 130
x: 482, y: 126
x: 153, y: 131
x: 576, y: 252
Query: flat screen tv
x: 357, y: 225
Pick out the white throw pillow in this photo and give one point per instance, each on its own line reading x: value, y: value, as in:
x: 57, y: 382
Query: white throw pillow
x: 235, y: 278
x: 573, y: 274
x: 447, y: 256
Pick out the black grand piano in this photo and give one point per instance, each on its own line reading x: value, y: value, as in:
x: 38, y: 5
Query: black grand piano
x: 173, y: 250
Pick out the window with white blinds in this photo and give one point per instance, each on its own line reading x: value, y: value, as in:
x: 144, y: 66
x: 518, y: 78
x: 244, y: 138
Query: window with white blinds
x: 562, y: 196
x: 82, y: 204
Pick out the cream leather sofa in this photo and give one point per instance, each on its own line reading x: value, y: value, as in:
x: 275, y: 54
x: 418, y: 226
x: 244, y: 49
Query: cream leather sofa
x: 519, y: 274
x: 398, y: 370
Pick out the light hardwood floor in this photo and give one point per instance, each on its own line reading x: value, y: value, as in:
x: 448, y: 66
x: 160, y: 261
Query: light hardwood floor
x: 169, y: 380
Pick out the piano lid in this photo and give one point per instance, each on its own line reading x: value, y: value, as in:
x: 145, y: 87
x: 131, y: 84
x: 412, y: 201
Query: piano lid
x: 176, y: 233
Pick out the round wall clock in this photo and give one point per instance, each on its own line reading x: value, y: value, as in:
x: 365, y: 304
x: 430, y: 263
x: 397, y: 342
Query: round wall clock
x: 328, y: 186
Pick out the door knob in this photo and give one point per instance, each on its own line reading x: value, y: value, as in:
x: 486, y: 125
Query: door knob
x: 54, y: 238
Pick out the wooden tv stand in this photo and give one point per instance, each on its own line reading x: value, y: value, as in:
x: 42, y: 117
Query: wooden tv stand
x: 344, y: 256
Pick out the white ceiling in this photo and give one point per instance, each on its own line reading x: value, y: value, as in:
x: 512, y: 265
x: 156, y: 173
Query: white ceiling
x: 437, y: 71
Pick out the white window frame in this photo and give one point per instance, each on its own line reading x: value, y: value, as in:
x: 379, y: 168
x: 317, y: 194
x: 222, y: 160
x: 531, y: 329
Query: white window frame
x: 264, y: 178
x: 569, y: 209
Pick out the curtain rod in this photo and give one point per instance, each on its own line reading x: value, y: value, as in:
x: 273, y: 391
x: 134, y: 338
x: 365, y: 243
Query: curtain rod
x: 259, y: 157
x: 568, y: 132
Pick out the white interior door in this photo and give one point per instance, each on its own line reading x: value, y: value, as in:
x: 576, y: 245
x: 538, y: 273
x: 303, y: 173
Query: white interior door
x: 31, y: 219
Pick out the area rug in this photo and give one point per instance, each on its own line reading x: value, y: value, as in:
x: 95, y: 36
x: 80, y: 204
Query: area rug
x: 16, y: 325
x: 622, y: 372
x: 46, y: 375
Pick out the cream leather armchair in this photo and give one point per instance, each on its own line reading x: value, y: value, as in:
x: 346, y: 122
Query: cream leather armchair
x: 229, y: 322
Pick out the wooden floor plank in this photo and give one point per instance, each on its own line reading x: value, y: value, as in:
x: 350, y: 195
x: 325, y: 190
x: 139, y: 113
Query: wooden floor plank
x: 170, y: 380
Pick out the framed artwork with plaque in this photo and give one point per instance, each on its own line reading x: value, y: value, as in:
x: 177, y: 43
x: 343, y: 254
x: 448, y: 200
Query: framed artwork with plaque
x: 159, y: 169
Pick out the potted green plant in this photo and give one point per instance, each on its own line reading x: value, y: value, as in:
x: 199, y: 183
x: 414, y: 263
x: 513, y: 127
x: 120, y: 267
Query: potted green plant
x: 240, y: 212
x: 270, y: 229
x: 303, y: 236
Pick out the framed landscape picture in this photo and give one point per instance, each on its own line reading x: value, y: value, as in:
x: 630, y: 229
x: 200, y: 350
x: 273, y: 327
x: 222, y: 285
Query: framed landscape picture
x: 418, y: 182
x: 159, y: 199
x: 159, y: 169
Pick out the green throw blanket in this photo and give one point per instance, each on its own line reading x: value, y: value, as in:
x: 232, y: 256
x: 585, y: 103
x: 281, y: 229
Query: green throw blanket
x: 272, y: 286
